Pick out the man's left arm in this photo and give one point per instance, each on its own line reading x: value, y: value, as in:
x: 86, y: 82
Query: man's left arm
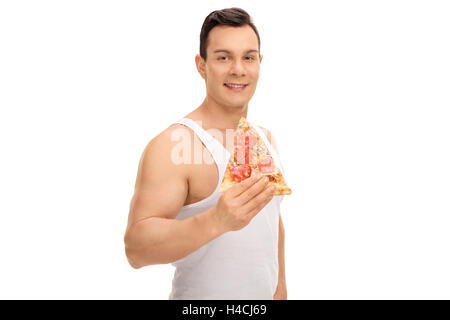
x: 281, y: 292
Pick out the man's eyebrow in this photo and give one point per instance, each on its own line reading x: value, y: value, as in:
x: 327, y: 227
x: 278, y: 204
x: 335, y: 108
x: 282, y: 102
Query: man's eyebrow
x: 228, y: 51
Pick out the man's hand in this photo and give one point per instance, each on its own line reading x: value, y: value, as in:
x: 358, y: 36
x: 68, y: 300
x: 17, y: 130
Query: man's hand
x: 239, y: 204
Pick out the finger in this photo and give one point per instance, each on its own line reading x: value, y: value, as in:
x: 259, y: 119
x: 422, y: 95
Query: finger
x: 240, y: 187
x: 259, y: 201
x: 259, y: 207
x: 253, y: 191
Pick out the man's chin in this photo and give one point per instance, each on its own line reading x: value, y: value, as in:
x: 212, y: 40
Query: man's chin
x: 238, y: 105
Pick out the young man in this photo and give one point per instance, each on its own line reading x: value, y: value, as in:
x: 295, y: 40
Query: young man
x: 226, y: 245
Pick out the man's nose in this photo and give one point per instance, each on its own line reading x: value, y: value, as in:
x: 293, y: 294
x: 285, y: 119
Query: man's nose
x: 237, y: 68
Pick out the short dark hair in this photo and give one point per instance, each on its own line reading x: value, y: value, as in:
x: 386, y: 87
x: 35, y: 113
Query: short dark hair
x: 234, y: 17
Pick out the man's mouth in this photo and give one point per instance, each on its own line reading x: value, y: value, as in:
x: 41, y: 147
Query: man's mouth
x: 235, y: 86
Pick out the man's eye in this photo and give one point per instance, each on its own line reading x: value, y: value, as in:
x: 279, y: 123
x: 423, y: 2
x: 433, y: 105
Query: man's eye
x: 221, y: 58
x: 251, y: 58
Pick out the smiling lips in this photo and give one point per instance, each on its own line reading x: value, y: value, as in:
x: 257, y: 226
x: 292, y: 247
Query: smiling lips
x: 235, y: 86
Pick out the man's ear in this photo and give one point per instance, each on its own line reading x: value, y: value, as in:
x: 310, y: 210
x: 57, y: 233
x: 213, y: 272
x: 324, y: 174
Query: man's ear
x: 200, y: 63
x: 260, y: 58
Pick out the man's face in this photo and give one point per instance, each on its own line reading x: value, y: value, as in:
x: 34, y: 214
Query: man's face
x: 232, y: 58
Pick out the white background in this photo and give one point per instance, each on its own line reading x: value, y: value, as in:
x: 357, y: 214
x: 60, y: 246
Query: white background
x: 355, y: 92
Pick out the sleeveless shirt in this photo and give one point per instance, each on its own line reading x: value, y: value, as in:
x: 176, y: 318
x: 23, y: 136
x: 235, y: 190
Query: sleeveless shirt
x: 238, y: 265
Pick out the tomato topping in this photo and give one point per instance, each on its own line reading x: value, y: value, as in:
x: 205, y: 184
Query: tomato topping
x: 266, y: 166
x: 241, y: 172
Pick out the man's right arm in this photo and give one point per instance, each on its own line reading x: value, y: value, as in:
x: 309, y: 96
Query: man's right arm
x: 154, y: 236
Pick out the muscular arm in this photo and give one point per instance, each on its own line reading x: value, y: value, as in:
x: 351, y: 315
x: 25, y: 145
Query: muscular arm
x: 153, y: 235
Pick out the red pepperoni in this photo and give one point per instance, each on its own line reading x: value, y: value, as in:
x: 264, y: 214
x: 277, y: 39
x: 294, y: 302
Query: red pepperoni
x: 265, y: 166
x: 241, y: 172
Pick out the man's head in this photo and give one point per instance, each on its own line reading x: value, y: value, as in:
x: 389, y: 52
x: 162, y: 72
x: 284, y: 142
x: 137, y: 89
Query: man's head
x: 233, y: 17
x: 229, y: 56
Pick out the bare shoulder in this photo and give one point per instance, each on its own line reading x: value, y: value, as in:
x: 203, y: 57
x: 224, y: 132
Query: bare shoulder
x: 158, y: 154
x: 161, y: 184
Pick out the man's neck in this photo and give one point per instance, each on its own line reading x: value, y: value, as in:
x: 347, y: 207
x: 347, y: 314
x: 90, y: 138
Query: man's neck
x: 218, y: 116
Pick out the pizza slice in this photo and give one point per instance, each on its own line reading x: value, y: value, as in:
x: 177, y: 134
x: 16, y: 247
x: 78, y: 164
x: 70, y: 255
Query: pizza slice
x: 251, y: 156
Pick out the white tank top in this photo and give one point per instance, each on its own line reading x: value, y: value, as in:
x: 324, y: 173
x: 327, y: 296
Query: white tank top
x: 239, y: 265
